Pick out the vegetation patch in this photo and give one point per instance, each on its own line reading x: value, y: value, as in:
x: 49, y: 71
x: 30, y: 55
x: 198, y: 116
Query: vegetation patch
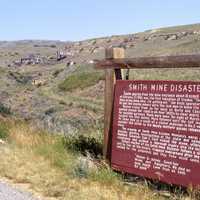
x: 57, y: 72
x: 66, y: 168
x: 4, y: 110
x: 3, y: 131
x: 50, y: 111
x: 20, y: 78
x: 83, y: 145
x: 80, y: 80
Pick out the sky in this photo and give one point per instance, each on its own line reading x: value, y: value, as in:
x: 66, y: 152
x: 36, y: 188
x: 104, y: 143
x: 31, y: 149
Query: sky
x: 71, y: 20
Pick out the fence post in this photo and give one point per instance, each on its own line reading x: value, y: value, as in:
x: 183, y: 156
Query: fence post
x: 111, y: 75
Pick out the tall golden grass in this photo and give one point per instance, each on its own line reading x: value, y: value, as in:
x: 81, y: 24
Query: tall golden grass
x: 41, y: 162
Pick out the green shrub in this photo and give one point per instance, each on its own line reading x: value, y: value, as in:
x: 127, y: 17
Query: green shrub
x: 83, y: 145
x: 4, y: 110
x: 80, y: 80
x: 50, y: 111
x: 3, y: 131
x: 57, y: 72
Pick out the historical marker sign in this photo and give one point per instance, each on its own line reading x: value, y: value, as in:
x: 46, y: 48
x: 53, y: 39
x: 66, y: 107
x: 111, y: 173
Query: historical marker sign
x: 156, y: 130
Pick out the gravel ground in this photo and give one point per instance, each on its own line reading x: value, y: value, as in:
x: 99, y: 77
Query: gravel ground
x: 8, y: 192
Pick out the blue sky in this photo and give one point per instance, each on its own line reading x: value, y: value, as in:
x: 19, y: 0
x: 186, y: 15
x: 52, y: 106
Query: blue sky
x: 81, y: 19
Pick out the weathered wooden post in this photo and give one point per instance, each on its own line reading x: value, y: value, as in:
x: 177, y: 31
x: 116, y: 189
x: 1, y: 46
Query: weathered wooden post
x: 111, y: 75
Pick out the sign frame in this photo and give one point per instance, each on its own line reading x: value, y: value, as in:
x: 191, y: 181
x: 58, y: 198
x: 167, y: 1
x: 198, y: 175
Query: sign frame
x: 114, y: 65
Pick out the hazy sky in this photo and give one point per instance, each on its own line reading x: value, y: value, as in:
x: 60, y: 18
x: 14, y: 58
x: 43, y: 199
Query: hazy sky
x: 81, y: 19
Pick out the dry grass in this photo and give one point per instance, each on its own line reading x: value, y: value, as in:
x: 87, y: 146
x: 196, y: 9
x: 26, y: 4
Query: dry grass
x: 40, y: 161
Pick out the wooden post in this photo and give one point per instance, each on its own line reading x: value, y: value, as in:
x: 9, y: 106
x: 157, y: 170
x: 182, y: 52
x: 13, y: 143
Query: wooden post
x: 111, y: 76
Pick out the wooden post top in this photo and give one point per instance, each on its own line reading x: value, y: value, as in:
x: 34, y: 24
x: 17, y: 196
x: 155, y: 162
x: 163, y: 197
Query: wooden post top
x: 115, y: 53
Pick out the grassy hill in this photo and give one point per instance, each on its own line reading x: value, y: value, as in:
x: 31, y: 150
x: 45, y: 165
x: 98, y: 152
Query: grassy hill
x: 67, y: 95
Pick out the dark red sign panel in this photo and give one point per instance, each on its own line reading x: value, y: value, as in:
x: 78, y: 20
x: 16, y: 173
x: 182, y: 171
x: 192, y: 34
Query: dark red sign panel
x: 156, y: 130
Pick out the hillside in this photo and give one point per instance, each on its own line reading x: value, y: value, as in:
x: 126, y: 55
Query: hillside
x: 62, y: 92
